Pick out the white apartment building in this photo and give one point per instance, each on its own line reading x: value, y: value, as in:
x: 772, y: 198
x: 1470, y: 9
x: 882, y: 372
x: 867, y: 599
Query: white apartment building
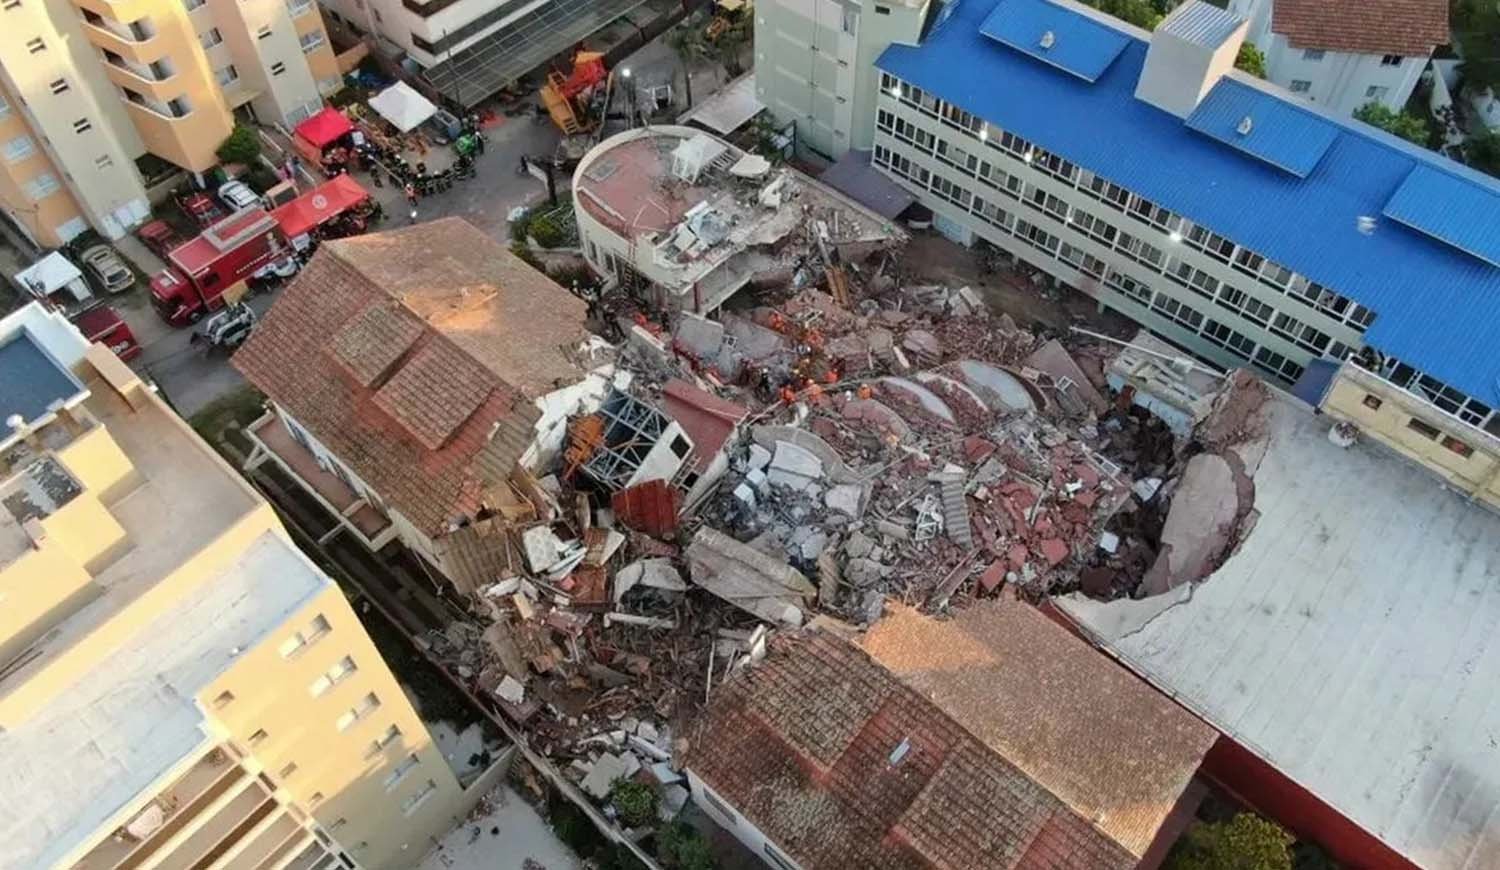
x: 87, y: 88
x: 1228, y: 218
x: 1342, y: 54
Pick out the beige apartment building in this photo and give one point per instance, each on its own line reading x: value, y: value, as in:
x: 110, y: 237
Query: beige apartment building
x: 179, y: 685
x: 89, y: 86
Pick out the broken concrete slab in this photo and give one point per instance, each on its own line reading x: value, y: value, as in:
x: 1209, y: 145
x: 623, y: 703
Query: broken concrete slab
x: 511, y: 690
x: 759, y: 458
x: 846, y: 498
x: 749, y: 579
x: 864, y: 572
x: 926, y: 399
x: 1201, y: 523
x: 793, y: 466
x: 833, y: 464
x: 541, y: 547
x: 656, y: 573
x: 603, y: 773
x: 1068, y: 378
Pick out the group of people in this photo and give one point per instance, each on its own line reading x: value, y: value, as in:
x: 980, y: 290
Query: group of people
x: 415, y: 179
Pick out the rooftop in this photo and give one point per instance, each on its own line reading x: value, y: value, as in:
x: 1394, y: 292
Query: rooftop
x: 402, y: 351
x: 1436, y: 303
x: 1404, y: 27
x: 697, y: 200
x: 129, y: 720
x: 842, y: 764
x: 31, y: 380
x: 1355, y: 624
x: 1112, y: 748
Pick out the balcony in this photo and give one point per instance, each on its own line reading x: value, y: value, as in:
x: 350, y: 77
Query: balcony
x: 168, y: 110
x: 353, y: 510
x: 156, y: 80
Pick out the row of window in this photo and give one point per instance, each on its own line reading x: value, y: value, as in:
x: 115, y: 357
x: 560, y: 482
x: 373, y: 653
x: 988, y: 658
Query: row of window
x: 1445, y: 398
x: 1334, y: 305
x: 1425, y: 429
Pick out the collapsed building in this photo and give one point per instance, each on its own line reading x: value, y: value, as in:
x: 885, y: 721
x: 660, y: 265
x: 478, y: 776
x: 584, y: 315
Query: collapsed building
x: 686, y: 219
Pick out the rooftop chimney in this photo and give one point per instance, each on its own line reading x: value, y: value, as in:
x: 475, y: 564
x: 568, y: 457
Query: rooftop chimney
x: 1190, y: 51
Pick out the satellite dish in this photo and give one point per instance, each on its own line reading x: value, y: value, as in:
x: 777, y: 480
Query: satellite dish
x: 319, y: 201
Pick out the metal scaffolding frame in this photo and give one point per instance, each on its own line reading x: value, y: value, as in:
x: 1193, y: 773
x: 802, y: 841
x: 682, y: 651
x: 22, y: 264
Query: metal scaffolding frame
x: 631, y: 429
x: 496, y: 60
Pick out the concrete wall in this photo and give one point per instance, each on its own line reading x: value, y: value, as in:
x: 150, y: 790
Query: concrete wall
x: 990, y: 197
x: 814, y: 65
x: 273, y: 65
x: 1461, y: 454
x: 1342, y: 81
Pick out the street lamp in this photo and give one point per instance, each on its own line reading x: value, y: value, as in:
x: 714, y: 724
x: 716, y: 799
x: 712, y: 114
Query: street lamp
x: 630, y: 90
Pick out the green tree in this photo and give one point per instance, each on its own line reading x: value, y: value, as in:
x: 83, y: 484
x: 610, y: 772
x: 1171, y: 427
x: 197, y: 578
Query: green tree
x: 1403, y: 124
x: 636, y: 801
x: 1482, y: 151
x: 1246, y: 842
x: 242, y: 145
x: 1476, y: 30
x: 1141, y: 13
x: 1251, y: 60
x: 679, y: 846
x: 731, y: 45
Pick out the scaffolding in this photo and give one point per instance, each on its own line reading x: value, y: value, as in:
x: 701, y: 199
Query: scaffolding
x: 631, y: 429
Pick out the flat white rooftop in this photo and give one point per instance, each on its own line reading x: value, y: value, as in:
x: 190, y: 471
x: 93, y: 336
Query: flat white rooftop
x: 85, y: 757
x: 1353, y: 642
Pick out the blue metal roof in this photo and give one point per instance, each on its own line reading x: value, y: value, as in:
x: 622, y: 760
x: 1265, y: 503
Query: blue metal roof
x: 30, y: 380
x: 1438, y: 308
x: 1056, y: 36
x: 1202, y: 24
x: 1455, y: 210
x: 1265, y: 127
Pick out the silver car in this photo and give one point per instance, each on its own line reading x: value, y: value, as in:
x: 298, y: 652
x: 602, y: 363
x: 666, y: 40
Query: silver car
x: 107, y: 269
x: 238, y: 195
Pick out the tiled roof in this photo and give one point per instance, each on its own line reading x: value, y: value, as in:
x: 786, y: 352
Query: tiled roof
x: 1405, y: 27
x: 802, y: 743
x: 1109, y: 746
x: 707, y: 419
x: 400, y: 352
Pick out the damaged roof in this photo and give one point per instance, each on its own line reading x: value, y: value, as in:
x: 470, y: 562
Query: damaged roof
x: 414, y: 356
x: 1349, y: 641
x: 707, y: 419
x: 841, y: 764
x: 1109, y: 746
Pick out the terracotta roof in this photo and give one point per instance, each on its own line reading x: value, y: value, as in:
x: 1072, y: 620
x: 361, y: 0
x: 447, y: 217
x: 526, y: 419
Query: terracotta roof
x: 402, y: 351
x: 1109, y: 746
x: 1405, y: 27
x: 802, y: 743
x: 707, y: 419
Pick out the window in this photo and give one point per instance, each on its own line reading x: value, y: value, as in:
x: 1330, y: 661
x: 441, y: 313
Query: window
x: 1313, y: 54
x: 338, y: 823
x: 306, y: 637
x: 227, y: 75
x: 278, y: 68
x: 82, y: 125
x: 1301, y: 86
x: 399, y: 772
x: 18, y: 148
x: 289, y: 769
x: 1391, y: 60
x: 1422, y: 428
x: 224, y: 699
x: 42, y: 186
x: 258, y: 737
x: 1377, y: 92
x: 311, y: 40
x: 1371, y: 401
x: 1178, y: 311
x: 391, y: 735
x: 58, y: 86
x: 340, y: 671
x: 4, y: 107
x: 410, y: 805
x: 103, y: 161
x: 1457, y: 446
x: 367, y: 705
x: 210, y: 37
x: 1277, y: 365
x: 180, y: 107
x: 193, y: 4
x: 263, y: 32
x: 882, y: 10
x: 777, y: 859
x: 1234, y: 342
x: 315, y: 799
x: 718, y: 806
x: 35, y: 45
x: 11, y: 4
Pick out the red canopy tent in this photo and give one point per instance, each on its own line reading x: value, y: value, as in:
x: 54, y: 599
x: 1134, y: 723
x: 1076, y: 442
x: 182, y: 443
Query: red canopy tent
x: 320, y: 131
x: 322, y: 203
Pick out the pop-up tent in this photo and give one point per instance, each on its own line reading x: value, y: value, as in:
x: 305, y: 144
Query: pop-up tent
x: 402, y: 106
x: 319, y: 205
x: 320, y: 131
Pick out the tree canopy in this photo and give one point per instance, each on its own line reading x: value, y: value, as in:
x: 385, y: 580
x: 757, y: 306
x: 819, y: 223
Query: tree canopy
x: 1245, y: 842
x: 1251, y: 60
x: 1404, y: 124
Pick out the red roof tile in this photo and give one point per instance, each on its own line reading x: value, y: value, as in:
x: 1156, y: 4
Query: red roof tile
x: 1406, y: 27
x: 401, y: 351
x: 802, y: 745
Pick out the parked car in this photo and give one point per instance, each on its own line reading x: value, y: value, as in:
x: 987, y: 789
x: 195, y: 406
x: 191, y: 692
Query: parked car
x: 107, y: 269
x: 237, y: 195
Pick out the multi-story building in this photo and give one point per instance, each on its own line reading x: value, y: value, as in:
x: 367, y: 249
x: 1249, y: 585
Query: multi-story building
x: 179, y: 685
x: 1346, y: 53
x: 88, y: 88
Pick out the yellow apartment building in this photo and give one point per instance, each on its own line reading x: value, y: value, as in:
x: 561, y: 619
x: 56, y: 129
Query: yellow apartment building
x: 89, y: 86
x: 179, y: 686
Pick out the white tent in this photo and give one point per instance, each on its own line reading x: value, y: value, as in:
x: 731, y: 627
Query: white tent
x: 52, y: 273
x: 402, y: 106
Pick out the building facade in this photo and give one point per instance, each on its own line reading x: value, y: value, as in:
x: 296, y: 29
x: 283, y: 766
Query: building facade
x: 87, y: 88
x: 1222, y: 241
x: 1346, y: 54
x: 180, y: 685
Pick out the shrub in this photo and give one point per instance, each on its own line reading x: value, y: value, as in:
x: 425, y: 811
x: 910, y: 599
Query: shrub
x: 680, y: 846
x: 519, y: 227
x: 241, y: 146
x: 546, y: 232
x: 1245, y: 842
x: 527, y: 255
x: 636, y: 802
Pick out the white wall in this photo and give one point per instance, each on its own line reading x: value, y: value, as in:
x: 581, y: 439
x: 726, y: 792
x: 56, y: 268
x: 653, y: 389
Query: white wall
x: 557, y: 406
x: 1341, y: 81
x: 748, y: 834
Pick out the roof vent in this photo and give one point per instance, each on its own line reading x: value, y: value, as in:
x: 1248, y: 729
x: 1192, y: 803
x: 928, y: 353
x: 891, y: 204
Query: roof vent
x: 900, y: 751
x: 1365, y: 224
x: 1245, y: 126
x: 1049, y: 39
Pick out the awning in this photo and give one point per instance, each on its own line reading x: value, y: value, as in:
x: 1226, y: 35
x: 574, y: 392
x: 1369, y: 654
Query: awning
x: 729, y: 109
x: 854, y: 177
x: 402, y: 106
x: 324, y: 128
x: 52, y: 273
x: 318, y: 205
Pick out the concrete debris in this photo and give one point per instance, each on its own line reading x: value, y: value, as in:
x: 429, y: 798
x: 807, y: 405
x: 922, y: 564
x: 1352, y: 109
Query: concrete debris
x: 846, y: 498
x: 511, y: 690
x: 654, y: 573
x: 542, y: 548
x: 749, y: 579
x: 605, y: 771
x: 794, y: 467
